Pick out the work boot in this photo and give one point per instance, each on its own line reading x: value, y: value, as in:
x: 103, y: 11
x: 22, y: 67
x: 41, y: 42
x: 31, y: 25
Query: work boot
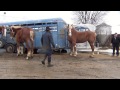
x: 49, y: 65
x: 43, y: 62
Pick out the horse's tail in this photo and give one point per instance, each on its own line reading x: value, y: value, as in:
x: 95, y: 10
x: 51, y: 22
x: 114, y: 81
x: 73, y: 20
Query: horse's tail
x: 32, y: 35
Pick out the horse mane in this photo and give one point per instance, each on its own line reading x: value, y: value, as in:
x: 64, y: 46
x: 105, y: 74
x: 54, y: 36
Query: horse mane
x: 73, y: 28
x: 16, y: 27
x: 2, y: 29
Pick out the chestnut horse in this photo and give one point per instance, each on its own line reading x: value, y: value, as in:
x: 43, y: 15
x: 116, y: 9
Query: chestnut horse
x: 3, y: 30
x: 23, y: 35
x: 75, y: 36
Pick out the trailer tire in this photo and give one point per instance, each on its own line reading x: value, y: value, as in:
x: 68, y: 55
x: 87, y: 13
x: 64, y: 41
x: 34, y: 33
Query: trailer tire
x: 10, y: 48
x: 35, y: 51
x: 1, y: 43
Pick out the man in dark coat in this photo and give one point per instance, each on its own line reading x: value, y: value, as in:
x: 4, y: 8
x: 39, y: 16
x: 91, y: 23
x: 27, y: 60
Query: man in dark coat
x: 47, y: 41
x: 115, y: 44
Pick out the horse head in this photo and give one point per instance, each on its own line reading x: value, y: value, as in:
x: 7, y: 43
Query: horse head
x: 3, y: 30
x: 69, y: 28
x: 13, y: 30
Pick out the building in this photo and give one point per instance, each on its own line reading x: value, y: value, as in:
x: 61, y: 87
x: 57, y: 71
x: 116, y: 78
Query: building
x: 103, y: 32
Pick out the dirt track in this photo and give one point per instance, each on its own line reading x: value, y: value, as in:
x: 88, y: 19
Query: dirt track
x: 65, y: 67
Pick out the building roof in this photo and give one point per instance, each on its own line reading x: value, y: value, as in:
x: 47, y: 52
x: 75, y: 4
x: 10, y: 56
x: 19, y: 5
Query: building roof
x: 103, y: 24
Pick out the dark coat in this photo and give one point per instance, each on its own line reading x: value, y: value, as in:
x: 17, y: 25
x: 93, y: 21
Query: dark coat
x: 115, y: 41
x: 47, y: 41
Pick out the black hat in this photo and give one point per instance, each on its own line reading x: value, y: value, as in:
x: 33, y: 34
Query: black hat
x: 48, y: 28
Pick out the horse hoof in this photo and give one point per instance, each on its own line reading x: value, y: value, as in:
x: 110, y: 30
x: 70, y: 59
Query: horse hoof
x: 27, y: 58
x: 75, y: 55
x: 91, y: 56
x: 70, y: 54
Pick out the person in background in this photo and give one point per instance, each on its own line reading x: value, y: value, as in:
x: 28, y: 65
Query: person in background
x: 47, y: 41
x: 115, y: 44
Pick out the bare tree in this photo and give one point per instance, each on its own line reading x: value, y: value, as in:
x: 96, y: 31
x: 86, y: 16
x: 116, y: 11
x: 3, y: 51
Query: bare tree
x: 89, y: 17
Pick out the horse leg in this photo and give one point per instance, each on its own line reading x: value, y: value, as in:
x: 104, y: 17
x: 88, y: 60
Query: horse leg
x: 75, y: 50
x: 92, y: 47
x: 18, y: 49
x: 21, y: 47
x: 29, y: 51
x: 32, y: 42
x: 32, y: 49
x: 71, y: 51
x: 71, y: 48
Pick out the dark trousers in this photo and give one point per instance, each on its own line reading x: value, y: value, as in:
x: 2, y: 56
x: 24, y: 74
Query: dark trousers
x: 116, y: 47
x: 48, y: 54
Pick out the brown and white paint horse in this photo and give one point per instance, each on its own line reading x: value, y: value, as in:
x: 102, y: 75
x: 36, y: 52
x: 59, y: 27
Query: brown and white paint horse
x: 75, y: 36
x: 23, y: 35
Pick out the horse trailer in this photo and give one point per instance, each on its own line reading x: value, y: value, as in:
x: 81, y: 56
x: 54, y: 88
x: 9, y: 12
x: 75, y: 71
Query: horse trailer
x: 56, y: 24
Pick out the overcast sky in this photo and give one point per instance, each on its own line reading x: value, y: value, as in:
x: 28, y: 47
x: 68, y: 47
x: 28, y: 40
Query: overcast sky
x: 113, y: 18
x: 28, y: 15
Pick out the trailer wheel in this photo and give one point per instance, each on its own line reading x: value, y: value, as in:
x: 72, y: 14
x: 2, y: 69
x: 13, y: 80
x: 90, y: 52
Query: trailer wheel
x: 1, y: 43
x: 35, y: 51
x: 10, y: 48
x: 64, y: 51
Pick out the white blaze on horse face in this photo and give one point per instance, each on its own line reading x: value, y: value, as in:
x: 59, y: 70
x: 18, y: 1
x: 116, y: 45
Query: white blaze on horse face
x: 4, y: 32
x: 69, y: 30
